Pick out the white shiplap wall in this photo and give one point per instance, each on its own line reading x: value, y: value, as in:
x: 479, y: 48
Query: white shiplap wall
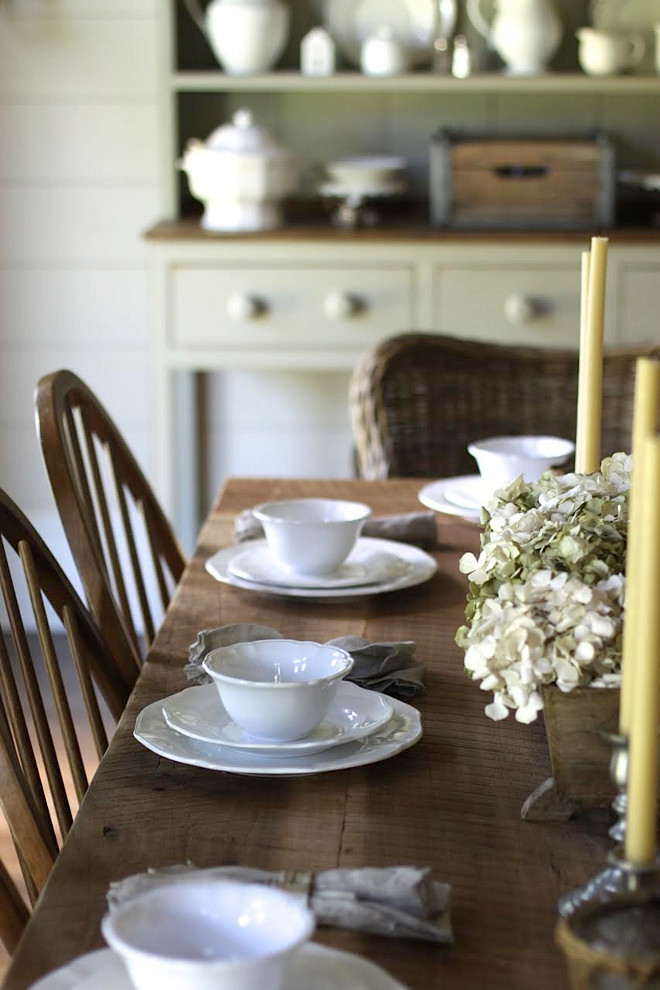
x: 80, y: 178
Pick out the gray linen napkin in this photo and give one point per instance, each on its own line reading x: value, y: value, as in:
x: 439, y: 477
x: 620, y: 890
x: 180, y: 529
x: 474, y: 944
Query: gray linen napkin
x: 390, y: 668
x: 418, y: 528
x: 396, y: 901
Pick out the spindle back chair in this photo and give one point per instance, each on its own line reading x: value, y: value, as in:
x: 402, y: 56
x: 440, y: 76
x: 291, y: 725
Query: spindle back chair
x: 127, y: 555
x: 44, y: 772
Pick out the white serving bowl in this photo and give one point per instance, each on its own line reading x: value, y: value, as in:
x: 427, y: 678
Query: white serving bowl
x: 311, y: 535
x: 503, y: 459
x: 207, y: 935
x: 277, y: 689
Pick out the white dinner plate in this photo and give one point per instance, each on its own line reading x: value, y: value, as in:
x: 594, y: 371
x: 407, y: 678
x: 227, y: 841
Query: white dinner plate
x: 402, y: 730
x: 414, y: 567
x: 315, y: 967
x: 351, y: 22
x: 435, y: 496
x: 199, y: 713
x: 364, y: 565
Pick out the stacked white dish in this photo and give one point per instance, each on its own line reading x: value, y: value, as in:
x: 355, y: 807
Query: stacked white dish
x: 461, y: 496
x: 374, y: 566
x: 361, y: 727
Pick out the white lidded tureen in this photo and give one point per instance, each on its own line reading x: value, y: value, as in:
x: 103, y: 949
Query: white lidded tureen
x: 241, y: 175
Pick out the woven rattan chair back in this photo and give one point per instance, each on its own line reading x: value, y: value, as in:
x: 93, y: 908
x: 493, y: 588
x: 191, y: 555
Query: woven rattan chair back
x: 50, y: 686
x: 417, y: 400
x: 127, y: 555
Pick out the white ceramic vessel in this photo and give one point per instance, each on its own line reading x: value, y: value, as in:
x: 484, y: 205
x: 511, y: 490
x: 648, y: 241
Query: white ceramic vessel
x: 524, y: 33
x: 606, y: 53
x: 311, y: 535
x: 277, y: 689
x: 246, y: 36
x: 240, y: 175
x: 503, y: 459
x: 208, y: 934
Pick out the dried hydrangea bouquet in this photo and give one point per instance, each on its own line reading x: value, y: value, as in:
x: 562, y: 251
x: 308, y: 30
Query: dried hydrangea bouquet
x: 546, y: 593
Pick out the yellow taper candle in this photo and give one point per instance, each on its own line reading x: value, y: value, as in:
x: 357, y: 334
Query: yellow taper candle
x: 591, y: 354
x: 581, y: 430
x: 642, y: 788
x: 645, y: 418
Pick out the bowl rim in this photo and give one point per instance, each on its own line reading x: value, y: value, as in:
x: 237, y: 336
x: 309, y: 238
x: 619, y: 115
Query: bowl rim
x: 262, y: 511
x: 123, y: 945
x: 273, y: 685
x: 482, y: 446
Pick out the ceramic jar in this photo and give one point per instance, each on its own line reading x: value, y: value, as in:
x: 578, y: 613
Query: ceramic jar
x: 240, y: 175
x: 524, y: 33
x: 381, y: 54
x: 246, y: 36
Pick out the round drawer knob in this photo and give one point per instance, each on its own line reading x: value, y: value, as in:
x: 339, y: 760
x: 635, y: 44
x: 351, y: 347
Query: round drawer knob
x: 241, y: 306
x: 520, y: 309
x: 341, y: 305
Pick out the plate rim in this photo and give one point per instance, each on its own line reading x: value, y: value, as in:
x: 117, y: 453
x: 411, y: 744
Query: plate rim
x: 95, y: 963
x: 423, y: 568
x: 429, y: 494
x: 263, y: 748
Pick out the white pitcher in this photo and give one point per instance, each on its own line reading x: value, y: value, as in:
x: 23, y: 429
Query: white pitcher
x: 246, y: 36
x: 524, y: 33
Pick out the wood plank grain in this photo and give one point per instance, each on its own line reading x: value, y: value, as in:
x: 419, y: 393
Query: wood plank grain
x: 452, y: 801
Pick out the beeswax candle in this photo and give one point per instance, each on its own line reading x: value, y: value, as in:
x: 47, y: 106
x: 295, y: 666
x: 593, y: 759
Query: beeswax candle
x: 591, y: 355
x: 580, y: 436
x: 645, y: 418
x: 643, y: 747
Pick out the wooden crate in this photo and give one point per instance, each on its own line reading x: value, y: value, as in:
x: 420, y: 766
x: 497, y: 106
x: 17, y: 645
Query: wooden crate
x: 521, y: 183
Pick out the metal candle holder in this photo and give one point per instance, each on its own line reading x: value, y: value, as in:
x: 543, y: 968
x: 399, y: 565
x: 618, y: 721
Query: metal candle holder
x: 619, y: 776
x: 609, y: 930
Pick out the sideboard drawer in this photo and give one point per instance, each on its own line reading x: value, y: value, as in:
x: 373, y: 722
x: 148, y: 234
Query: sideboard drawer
x: 271, y: 307
x: 517, y: 303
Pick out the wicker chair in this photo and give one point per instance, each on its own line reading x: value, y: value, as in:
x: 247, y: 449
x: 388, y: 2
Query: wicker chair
x: 120, y: 539
x: 44, y: 773
x: 418, y: 399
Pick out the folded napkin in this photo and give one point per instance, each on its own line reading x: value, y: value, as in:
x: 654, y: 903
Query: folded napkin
x: 397, y: 901
x: 418, y: 528
x: 390, y: 668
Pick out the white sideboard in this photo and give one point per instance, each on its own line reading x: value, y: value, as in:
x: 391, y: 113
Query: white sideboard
x: 308, y: 298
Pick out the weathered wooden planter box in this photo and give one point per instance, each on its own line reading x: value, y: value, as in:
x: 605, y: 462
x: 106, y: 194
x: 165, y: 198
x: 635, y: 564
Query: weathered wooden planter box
x: 576, y: 726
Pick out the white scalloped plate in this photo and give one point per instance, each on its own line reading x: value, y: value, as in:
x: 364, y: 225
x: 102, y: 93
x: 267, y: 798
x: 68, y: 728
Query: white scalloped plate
x: 402, y: 730
x: 199, y: 713
x: 315, y: 967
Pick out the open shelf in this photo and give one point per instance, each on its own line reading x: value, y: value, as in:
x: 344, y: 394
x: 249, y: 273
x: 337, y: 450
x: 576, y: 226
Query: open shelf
x: 416, y: 82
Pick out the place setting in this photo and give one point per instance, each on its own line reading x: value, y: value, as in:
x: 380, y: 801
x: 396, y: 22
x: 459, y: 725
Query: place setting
x: 500, y: 461
x: 317, y: 548
x: 274, y: 706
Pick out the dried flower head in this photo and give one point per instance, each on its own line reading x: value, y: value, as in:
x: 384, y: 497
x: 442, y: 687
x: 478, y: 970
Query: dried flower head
x: 546, y: 593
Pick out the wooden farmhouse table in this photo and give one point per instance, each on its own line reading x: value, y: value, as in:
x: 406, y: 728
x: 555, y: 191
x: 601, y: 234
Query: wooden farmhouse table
x: 451, y: 802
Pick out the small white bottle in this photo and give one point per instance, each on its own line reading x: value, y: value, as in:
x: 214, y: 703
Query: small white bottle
x: 317, y: 53
x: 461, y: 63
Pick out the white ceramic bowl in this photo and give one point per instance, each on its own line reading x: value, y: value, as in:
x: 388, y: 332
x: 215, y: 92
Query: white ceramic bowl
x: 503, y: 459
x: 208, y: 935
x: 367, y: 170
x: 311, y: 535
x: 277, y: 689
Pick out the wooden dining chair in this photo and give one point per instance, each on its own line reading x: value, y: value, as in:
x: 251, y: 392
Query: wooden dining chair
x: 124, y: 548
x: 418, y: 399
x: 55, y: 683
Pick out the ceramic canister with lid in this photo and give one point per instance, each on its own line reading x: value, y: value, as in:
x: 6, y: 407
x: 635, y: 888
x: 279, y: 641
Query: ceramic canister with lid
x: 240, y: 175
